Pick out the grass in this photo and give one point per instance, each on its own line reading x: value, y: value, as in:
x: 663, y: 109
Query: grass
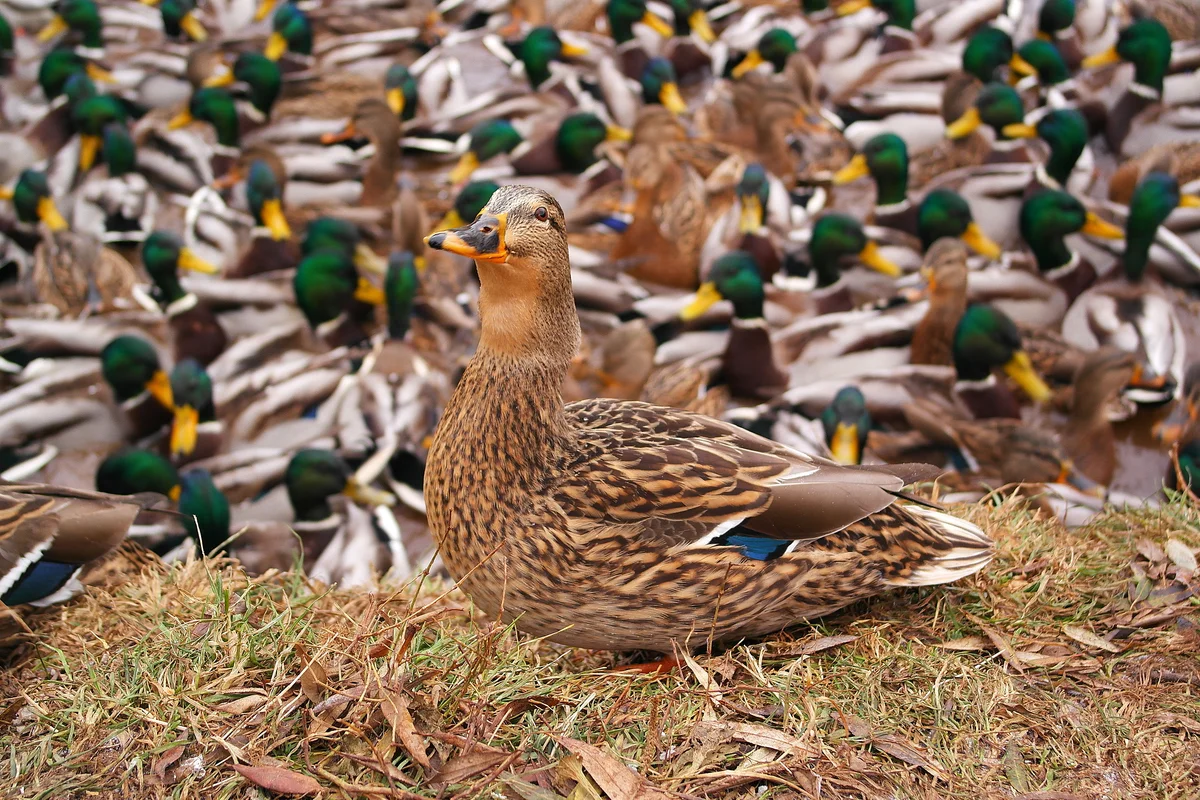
x: 1068, y: 669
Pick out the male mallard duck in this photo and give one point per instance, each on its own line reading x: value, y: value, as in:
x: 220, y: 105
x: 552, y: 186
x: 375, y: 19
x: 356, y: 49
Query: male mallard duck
x: 835, y: 238
x: 335, y: 300
x: 291, y: 32
x: 1056, y: 27
x: 32, y: 201
x: 400, y: 88
x: 847, y: 422
x: 1047, y: 218
x: 195, y: 331
x: 132, y: 470
x: 216, y: 107
x: 944, y: 212
x: 196, y: 433
x: 632, y: 52
x: 79, y: 17
x: 485, y: 141
x: 541, y: 46
x: 271, y: 245
x: 758, y: 221
x: 260, y: 75
x: 987, y: 52
x: 179, y: 19
x: 748, y: 366
x: 139, y: 384
x: 50, y: 533
x: 660, y: 86
x: 749, y: 550
x: 1129, y: 312
x: 986, y: 340
x: 998, y: 106
x: 1143, y: 116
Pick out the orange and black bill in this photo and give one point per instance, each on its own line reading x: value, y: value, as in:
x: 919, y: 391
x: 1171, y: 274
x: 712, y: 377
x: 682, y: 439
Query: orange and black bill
x: 482, y: 240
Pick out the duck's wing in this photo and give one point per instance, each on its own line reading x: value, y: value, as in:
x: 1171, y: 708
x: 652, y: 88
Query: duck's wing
x: 691, y: 480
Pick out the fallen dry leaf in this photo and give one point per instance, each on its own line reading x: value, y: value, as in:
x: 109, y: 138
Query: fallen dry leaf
x: 243, y: 705
x: 1086, y: 637
x: 526, y: 790
x: 810, y: 646
x: 164, y: 761
x: 468, y: 765
x: 1181, y: 555
x: 616, y: 780
x: 966, y: 643
x: 313, y: 678
x: 278, y: 779
x: 896, y: 746
x: 395, y: 708
x: 757, y: 735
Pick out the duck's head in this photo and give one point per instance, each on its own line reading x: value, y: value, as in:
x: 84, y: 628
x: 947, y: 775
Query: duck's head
x: 885, y: 158
x: 215, y: 106
x: 1065, y: 130
x: 541, y: 46
x: 1055, y: 16
x: 179, y: 18
x: 90, y: 116
x: 32, y: 200
x: 660, y: 86
x: 265, y: 198
x: 326, y: 284
x: 734, y: 276
x: 1048, y: 216
x: 130, y: 366
x: 339, y: 235
x: 401, y: 89
x: 59, y: 65
x: 132, y: 471
x: 838, y: 236
x: 6, y: 37
x: 1100, y: 381
x: 774, y: 47
x: 80, y: 16
x: 262, y: 77
x: 1154, y: 198
x: 118, y: 150
x: 519, y: 244
x: 469, y: 201
x: 1046, y: 60
x: 624, y: 14
x: 900, y: 13
x: 163, y: 255
x: 313, y: 477
x: 1183, y: 423
x: 578, y: 137
x: 944, y: 212
x: 753, y: 192
x: 986, y: 339
x: 989, y: 49
x: 690, y: 17
x: 998, y: 106
x: 847, y: 422
x: 205, y: 509
x: 192, y: 400
x: 1146, y: 44
x: 291, y: 32
x: 400, y: 286
x: 485, y: 140
x: 945, y: 268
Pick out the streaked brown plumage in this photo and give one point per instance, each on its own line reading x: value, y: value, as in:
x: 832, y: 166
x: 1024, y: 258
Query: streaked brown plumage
x: 598, y: 524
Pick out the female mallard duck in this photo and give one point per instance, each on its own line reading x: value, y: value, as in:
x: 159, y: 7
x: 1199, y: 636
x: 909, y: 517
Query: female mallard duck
x: 748, y: 366
x: 759, y: 541
x: 1144, y: 115
x: 50, y: 533
x: 373, y: 120
x: 1130, y: 312
x: 195, y: 331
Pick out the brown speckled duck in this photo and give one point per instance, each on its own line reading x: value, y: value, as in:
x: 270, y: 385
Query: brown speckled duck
x: 622, y: 525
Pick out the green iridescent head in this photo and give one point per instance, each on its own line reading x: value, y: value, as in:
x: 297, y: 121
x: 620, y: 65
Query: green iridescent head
x: 999, y: 105
x: 754, y: 190
x: 130, y: 366
x: 659, y: 84
x: 472, y: 198
x: 944, y: 212
x: 291, y: 32
x: 1189, y: 467
x: 192, y: 387
x: 688, y: 16
x: 261, y: 189
x: 1045, y: 219
x: 986, y: 52
x: 325, y: 283
x: 56, y: 69
x: 886, y: 157
x: 118, y: 149
x: 1044, y: 57
x: 311, y: 478
x: 215, y: 106
x: 400, y: 286
x: 985, y: 339
x: 836, y: 237
x: 330, y: 233
x: 492, y: 138
x: 539, y: 47
x: 81, y: 17
x: 1146, y: 44
x: 401, y: 89
x: 1154, y: 198
x: 92, y: 114
x: 180, y: 21
x: 132, y: 471
x: 900, y: 13
x: 1065, y: 130
x: 847, y: 423
x: 263, y: 79
x: 776, y: 47
x: 1055, y: 16
x: 624, y: 14
x: 6, y: 37
x: 31, y: 197
x: 163, y: 255
x: 576, y: 141
x: 737, y: 279
x: 205, y: 509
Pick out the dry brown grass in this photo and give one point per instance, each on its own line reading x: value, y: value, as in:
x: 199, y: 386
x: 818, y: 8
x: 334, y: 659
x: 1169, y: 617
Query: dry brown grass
x: 1068, y: 669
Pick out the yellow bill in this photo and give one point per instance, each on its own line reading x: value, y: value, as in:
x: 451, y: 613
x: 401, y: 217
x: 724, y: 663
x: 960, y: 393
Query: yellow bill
x: 276, y: 46
x: 365, y: 259
x: 395, y: 101
x: 264, y: 10
x: 978, y: 241
x: 751, y: 219
x: 88, y: 147
x: 465, y: 166
x: 368, y: 292
x: 669, y: 96
x: 964, y: 125
x: 176, y: 491
x: 852, y: 7
x: 615, y: 133
x: 857, y: 168
x: 181, y: 120
x: 53, y: 28
x: 1109, y: 56
x: 159, y: 387
x: 488, y: 231
x: 190, y: 261
x: 225, y: 78
x: 658, y: 24
x: 1020, y: 369
x: 572, y: 50
x: 1019, y: 130
x: 367, y: 496
x: 272, y: 217
x: 1189, y: 201
x: 701, y: 27
x: 183, y: 431
x: 6, y: 193
x: 1095, y: 226
x: 98, y: 74
x: 706, y: 296
x: 192, y: 27
x: 844, y: 445
x: 1021, y: 66
x: 872, y: 257
x: 48, y: 213
x: 452, y: 220
x: 752, y: 60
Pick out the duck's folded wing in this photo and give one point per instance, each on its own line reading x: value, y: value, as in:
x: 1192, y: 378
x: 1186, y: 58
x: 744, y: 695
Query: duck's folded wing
x: 687, y: 479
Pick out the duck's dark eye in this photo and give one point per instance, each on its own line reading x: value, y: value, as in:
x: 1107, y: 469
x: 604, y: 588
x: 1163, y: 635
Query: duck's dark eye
x: 541, y: 215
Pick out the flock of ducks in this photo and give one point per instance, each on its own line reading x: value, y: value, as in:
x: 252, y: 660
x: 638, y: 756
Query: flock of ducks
x: 878, y: 232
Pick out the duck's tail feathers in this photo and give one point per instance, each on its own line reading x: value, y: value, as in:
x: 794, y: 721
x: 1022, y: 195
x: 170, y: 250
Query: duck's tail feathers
x: 967, y: 550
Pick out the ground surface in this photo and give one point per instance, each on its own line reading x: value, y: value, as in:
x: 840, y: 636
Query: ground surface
x: 1068, y: 669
